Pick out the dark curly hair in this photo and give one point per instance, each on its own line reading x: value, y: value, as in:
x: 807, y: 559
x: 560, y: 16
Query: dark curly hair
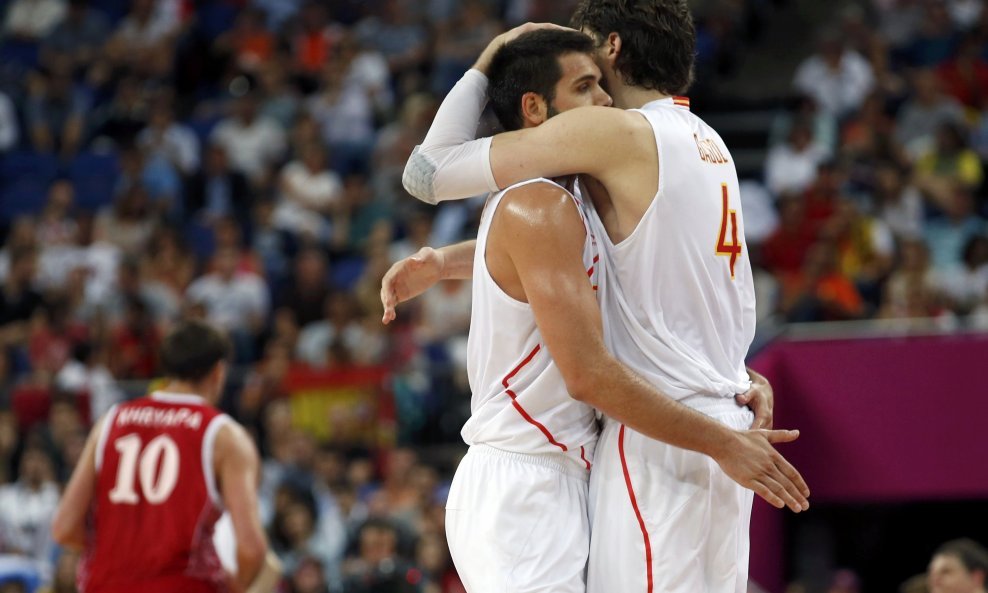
x: 530, y: 63
x: 658, y: 40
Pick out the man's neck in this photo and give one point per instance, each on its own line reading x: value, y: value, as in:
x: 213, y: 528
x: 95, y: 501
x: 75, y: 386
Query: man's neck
x: 635, y: 97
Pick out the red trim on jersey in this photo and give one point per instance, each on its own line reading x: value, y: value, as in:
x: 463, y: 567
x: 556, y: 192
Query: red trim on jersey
x: 583, y: 456
x: 596, y: 259
x: 634, y: 505
x: 521, y: 410
x: 681, y: 101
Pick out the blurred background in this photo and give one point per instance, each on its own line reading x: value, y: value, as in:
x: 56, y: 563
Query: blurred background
x: 240, y: 161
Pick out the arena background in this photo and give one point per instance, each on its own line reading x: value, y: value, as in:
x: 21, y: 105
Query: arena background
x: 240, y: 160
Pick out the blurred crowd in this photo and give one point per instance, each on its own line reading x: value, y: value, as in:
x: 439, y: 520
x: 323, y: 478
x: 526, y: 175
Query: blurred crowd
x: 874, y: 201
x: 240, y: 161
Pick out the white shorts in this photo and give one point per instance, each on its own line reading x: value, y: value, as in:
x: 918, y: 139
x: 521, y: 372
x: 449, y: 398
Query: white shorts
x: 664, y: 519
x: 519, y: 523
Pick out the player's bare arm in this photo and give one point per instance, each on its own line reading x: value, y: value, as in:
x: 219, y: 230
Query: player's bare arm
x: 68, y: 528
x: 237, y: 467
x: 541, y: 233
x: 417, y: 273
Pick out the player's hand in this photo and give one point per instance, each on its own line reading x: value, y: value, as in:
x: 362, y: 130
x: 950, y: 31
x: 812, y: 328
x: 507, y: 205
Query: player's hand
x: 484, y: 61
x: 754, y: 463
x: 409, y: 278
x: 760, y: 398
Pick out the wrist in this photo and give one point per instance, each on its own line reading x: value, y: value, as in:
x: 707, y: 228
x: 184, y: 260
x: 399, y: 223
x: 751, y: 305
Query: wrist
x: 441, y: 261
x: 722, y: 443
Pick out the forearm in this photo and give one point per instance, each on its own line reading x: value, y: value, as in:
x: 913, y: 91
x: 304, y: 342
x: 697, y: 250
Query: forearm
x: 458, y: 260
x: 624, y: 396
x: 450, y: 163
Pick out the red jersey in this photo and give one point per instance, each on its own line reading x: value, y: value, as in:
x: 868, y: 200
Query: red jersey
x: 156, y: 500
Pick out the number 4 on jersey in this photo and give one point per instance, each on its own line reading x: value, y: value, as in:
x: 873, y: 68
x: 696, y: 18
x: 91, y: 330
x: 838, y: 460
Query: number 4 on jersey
x: 733, y: 249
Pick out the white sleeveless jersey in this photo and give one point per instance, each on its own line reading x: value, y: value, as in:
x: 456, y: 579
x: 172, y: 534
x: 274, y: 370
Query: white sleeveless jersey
x: 679, y: 304
x: 520, y: 402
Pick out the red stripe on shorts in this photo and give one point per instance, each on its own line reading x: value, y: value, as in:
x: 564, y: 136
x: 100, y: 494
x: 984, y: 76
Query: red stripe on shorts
x: 521, y: 410
x: 634, y: 505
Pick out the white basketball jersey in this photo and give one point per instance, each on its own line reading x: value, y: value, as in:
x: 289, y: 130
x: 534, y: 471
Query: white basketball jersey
x: 679, y: 304
x: 520, y: 402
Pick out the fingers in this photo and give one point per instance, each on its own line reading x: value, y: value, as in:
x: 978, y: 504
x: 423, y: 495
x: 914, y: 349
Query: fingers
x: 763, y: 420
x: 743, y: 399
x: 766, y: 493
x: 781, y: 436
x: 783, y: 493
x: 794, y: 477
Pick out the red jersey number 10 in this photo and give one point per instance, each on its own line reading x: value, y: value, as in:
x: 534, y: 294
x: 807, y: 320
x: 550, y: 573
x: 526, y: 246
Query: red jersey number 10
x: 732, y: 249
x: 155, y: 467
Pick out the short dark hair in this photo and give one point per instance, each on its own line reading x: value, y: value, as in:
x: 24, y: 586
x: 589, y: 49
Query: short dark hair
x: 192, y: 350
x: 530, y: 64
x: 658, y: 40
x: 972, y: 555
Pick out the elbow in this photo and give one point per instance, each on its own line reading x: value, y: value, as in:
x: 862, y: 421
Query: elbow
x: 62, y: 533
x: 582, y: 386
x: 418, y: 176
x: 250, y: 555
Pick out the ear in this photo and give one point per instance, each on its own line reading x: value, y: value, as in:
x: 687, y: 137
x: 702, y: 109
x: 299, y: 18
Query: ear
x: 612, y: 48
x: 534, y: 110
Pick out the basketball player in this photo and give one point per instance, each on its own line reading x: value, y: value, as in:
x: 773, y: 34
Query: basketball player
x: 679, y: 301
x: 154, y: 477
x: 531, y: 445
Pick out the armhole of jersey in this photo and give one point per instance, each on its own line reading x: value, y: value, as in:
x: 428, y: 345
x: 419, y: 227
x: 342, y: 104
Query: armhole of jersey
x: 208, y: 446
x: 104, y: 434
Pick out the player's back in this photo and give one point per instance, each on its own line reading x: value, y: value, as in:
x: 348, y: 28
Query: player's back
x: 684, y: 314
x: 156, y: 499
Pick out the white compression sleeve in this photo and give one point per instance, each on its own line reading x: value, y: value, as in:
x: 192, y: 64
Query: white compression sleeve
x: 450, y: 164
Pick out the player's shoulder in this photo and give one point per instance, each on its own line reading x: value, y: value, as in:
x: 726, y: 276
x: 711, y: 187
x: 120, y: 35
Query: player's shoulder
x: 233, y: 440
x: 537, y: 207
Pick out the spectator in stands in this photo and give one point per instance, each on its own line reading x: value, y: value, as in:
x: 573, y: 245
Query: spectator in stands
x: 253, y: 143
x: 31, y: 20
x: 249, y: 44
x: 87, y: 372
x: 345, y: 113
x: 19, y: 301
x: 127, y: 223
x: 56, y: 113
x: 306, y: 293
x: 78, y: 39
x: 936, y: 39
x: 311, y: 195
x: 965, y: 76
x: 10, y: 132
x: 966, y: 285
x: 918, y: 120
x: 342, y: 325
x: 135, y: 343
x: 792, y: 167
x: 143, y: 41
x: 166, y: 139
x: 460, y: 41
x: 235, y: 301
x: 27, y: 506
x: 216, y: 191
x: 947, y: 235
x: 951, y: 159
x: 821, y: 292
x: 899, y: 203
x: 56, y: 225
x: 838, y: 78
x: 865, y: 248
x: 378, y: 567
x: 314, y: 43
x: 120, y: 120
x: 396, y: 33
x: 168, y: 268
x: 280, y: 99
x: 912, y: 289
x: 959, y: 566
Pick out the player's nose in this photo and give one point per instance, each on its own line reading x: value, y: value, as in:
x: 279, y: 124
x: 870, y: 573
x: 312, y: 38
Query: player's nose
x: 602, y: 98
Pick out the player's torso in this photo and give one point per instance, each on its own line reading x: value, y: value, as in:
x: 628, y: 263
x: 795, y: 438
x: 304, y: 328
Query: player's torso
x: 682, y: 279
x: 520, y: 402
x: 156, y: 498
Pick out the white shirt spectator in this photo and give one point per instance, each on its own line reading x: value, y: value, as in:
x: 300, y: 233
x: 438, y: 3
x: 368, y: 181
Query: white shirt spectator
x: 103, y: 392
x: 231, y: 301
x: 790, y: 170
x: 25, y: 519
x: 306, y: 196
x: 34, y: 18
x: 315, y: 339
x: 760, y: 216
x: 905, y: 216
x: 9, y: 130
x: 346, y: 118
x: 251, y: 146
x: 837, y: 91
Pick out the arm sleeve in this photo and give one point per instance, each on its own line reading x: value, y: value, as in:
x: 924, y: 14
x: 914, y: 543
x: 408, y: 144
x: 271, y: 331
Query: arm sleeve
x: 450, y: 164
